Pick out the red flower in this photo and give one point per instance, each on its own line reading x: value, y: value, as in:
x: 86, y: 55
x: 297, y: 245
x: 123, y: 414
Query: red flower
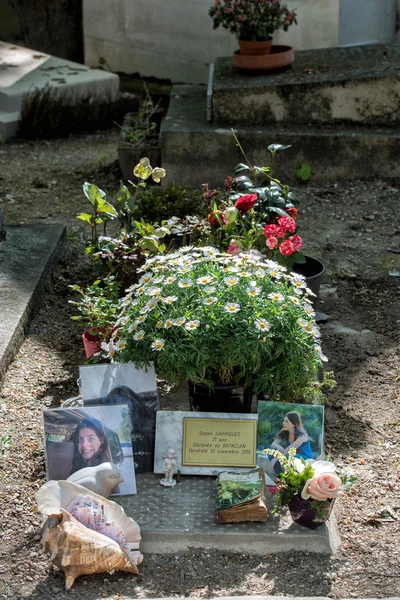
x: 246, y: 202
x: 296, y: 241
x: 292, y: 212
x: 273, y: 490
x: 213, y: 220
x: 234, y: 248
x: 272, y: 242
x: 286, y: 248
x: 271, y: 230
x: 287, y: 223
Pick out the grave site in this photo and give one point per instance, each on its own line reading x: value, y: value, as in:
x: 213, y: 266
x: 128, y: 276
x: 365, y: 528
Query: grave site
x: 199, y: 331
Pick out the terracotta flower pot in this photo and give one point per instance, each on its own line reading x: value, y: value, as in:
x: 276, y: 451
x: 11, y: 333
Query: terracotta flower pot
x: 255, y: 48
x: 304, y: 514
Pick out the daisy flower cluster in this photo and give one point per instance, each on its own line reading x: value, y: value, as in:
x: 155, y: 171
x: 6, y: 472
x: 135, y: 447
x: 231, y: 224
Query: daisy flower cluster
x: 197, y: 313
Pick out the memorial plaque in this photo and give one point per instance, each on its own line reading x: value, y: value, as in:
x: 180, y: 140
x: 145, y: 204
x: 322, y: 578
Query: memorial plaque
x: 219, y: 442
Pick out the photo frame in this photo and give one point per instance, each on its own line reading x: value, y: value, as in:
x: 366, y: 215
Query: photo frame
x: 283, y: 425
x: 79, y: 437
x: 124, y: 383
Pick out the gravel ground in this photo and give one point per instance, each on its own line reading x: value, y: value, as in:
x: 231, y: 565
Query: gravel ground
x: 353, y: 227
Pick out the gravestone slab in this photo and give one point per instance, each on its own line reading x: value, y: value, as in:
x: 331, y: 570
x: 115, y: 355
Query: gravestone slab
x: 175, y: 519
x: 23, y: 70
x: 169, y: 434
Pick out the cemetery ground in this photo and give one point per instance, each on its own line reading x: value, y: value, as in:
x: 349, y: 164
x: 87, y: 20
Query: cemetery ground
x: 354, y: 228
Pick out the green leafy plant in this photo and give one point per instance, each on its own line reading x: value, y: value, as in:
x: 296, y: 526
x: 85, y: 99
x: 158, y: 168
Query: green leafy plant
x: 141, y: 127
x: 256, y: 211
x: 252, y: 20
x: 5, y: 441
x: 304, y: 173
x: 98, y: 306
x: 157, y: 204
x: 206, y: 317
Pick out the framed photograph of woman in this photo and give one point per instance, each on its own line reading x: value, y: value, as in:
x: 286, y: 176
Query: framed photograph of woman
x: 76, y: 438
x: 282, y: 426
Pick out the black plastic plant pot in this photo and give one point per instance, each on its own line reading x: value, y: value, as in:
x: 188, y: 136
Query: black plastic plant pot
x: 221, y: 398
x: 313, y: 270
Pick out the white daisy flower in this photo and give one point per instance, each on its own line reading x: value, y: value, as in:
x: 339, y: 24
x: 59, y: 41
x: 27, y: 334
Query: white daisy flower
x: 190, y: 325
x: 139, y: 335
x: 140, y: 319
x: 158, y: 344
x: 294, y: 299
x: 185, y: 269
x: 272, y: 264
x: 179, y: 321
x: 145, y: 278
x: 253, y: 291
x: 120, y: 344
x: 210, y: 289
x: 231, y: 280
x: 210, y: 300
x: 275, y: 273
x: 170, y: 299
x: 232, y: 307
x: 319, y: 352
x: 142, y: 269
x: 153, y: 291
x: 302, y: 322
x: 259, y: 273
x: 308, y: 309
x: 159, y: 324
x: 170, y: 279
x: 244, y: 274
x: 159, y: 279
x: 276, y: 297
x: 140, y: 290
x: 204, y: 280
x: 109, y: 348
x: 297, y: 281
x: 185, y: 283
x: 132, y: 327
x: 158, y: 267
x: 262, y: 324
x: 168, y: 323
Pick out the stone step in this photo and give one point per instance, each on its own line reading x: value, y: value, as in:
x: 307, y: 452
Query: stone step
x: 195, y: 151
x: 331, y: 85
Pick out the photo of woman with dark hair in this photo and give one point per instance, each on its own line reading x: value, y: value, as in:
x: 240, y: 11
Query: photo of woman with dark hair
x: 293, y: 435
x: 91, y: 446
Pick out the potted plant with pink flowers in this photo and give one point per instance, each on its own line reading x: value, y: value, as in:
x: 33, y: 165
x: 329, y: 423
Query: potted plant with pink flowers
x: 309, y: 488
x: 253, y: 22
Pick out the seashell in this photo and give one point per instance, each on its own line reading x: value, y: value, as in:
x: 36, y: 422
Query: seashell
x: 101, y: 479
x: 103, y: 539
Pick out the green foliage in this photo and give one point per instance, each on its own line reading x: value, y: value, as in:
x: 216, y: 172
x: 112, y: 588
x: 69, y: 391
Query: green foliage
x: 204, y: 317
x: 232, y: 492
x: 316, y: 393
x: 98, y: 306
x: 5, y: 441
x: 141, y: 127
x: 304, y: 173
x: 157, y: 204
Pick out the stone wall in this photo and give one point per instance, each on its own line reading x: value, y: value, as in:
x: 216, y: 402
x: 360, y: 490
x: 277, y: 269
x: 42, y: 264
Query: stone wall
x: 174, y: 39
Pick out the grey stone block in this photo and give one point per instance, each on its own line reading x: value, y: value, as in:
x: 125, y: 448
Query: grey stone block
x: 27, y: 259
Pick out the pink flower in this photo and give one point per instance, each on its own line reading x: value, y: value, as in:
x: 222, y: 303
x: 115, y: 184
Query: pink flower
x: 321, y: 487
x: 246, y: 202
x: 297, y: 242
x: 287, y: 223
x: 272, y: 242
x: 213, y: 220
x: 286, y: 248
x: 234, y: 248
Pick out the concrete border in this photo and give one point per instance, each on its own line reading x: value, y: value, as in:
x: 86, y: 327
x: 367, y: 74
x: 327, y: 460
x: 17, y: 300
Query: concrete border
x: 27, y: 259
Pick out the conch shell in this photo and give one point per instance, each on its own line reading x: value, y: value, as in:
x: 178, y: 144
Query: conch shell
x: 80, y: 549
x: 101, y: 479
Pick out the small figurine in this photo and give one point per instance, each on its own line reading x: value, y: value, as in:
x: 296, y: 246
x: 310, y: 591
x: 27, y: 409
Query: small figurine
x: 168, y: 467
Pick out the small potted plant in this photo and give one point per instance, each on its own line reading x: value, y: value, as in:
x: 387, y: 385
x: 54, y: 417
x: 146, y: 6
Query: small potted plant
x: 216, y: 320
x: 309, y: 488
x: 253, y: 23
x: 98, y: 307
